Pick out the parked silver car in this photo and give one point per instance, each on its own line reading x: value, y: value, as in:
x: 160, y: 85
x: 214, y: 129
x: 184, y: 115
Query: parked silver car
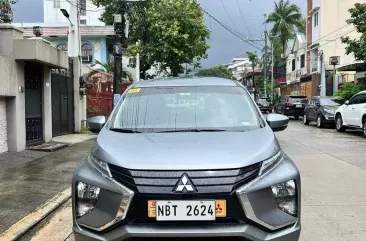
x: 183, y: 158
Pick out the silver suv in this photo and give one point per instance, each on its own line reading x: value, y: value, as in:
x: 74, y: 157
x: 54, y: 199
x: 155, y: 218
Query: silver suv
x: 186, y: 158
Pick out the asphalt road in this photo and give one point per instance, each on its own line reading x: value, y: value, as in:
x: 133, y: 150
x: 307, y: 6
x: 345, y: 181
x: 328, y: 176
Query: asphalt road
x: 332, y: 167
x: 333, y: 175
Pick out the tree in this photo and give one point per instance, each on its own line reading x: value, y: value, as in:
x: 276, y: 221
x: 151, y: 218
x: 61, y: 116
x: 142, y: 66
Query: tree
x: 286, y: 19
x: 357, y: 46
x: 216, y: 71
x: 253, y: 58
x: 166, y: 33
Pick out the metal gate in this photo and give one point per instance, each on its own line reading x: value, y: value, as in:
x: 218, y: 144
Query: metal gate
x: 62, y: 90
x: 33, y: 103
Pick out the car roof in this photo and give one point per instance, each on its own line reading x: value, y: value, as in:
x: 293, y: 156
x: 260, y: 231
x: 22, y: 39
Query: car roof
x: 186, y: 81
x: 327, y: 97
x: 362, y: 92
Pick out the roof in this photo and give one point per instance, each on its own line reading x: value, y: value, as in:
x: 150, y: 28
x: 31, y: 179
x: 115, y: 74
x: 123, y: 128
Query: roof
x: 193, y: 81
x: 63, y: 31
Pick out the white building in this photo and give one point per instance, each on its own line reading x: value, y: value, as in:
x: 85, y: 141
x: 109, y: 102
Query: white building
x: 296, y: 63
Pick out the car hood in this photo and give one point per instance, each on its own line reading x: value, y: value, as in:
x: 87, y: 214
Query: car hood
x: 331, y: 107
x: 185, y: 151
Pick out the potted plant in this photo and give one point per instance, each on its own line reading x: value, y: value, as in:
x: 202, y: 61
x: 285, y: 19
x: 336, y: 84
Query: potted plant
x: 6, y: 13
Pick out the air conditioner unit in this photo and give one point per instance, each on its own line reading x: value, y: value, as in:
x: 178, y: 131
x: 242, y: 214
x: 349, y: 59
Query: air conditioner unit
x: 87, y: 59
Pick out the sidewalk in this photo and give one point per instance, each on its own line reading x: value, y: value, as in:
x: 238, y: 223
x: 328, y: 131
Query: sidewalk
x: 26, y: 184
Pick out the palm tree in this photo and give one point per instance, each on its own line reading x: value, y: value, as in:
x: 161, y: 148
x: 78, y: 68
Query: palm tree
x: 253, y: 58
x: 286, y: 19
x: 109, y: 68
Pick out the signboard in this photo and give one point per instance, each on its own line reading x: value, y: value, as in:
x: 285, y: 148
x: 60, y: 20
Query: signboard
x: 334, y: 60
x: 118, y: 18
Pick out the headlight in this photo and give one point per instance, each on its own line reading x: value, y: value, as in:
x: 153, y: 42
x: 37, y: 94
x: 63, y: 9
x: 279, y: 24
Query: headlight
x: 271, y: 163
x: 329, y: 111
x: 86, y: 198
x: 99, y: 165
x: 285, y: 196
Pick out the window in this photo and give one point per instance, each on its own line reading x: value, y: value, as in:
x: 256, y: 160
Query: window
x: 169, y: 109
x: 363, y: 99
x: 62, y: 46
x: 283, y: 99
x: 355, y: 100
x: 83, y: 7
x: 83, y: 21
x: 56, y: 3
x: 302, y: 61
x: 293, y: 65
x: 86, y: 49
x: 316, y: 19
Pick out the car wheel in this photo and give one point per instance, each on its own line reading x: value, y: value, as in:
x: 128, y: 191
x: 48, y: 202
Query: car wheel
x: 364, y: 128
x: 319, y: 121
x: 305, y: 120
x: 339, y: 124
x: 296, y: 117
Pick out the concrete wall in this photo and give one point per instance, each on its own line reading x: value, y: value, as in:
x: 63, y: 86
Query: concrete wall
x: 8, y: 88
x: 3, y: 126
x: 38, y: 50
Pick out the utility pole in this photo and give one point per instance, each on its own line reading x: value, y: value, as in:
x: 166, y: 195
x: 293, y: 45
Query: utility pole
x: 265, y: 57
x: 117, y: 55
x: 272, y: 71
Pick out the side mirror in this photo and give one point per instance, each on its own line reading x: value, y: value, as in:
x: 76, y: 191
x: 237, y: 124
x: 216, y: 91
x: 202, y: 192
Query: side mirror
x: 317, y: 104
x: 96, y: 123
x: 347, y: 102
x: 277, y: 122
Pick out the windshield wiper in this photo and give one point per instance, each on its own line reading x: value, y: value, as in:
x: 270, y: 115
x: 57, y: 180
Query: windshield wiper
x: 121, y: 130
x: 193, y: 130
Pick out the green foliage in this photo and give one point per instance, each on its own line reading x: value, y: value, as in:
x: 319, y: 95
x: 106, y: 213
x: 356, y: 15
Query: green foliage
x: 216, y: 71
x: 7, y: 3
x: 357, y: 46
x: 286, y: 19
x: 168, y: 32
x: 350, y: 89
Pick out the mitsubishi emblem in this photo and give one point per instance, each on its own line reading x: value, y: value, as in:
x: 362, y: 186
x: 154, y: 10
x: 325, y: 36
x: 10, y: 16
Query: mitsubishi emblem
x: 184, y: 185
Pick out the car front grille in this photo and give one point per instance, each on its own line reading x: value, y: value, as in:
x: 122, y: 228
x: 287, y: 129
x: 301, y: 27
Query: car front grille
x: 205, y: 182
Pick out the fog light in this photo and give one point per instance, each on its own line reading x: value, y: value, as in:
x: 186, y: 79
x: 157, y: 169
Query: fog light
x: 86, y: 198
x: 285, y: 195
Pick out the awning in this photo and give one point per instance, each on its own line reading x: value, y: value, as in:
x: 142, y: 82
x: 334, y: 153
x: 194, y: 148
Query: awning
x: 358, y: 67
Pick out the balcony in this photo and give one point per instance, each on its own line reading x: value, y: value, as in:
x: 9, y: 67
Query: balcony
x: 294, y: 76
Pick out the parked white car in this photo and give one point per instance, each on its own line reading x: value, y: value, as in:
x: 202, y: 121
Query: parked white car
x: 352, y: 114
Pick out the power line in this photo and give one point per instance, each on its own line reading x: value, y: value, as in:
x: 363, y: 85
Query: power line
x: 231, y: 20
x: 242, y: 16
x: 228, y: 29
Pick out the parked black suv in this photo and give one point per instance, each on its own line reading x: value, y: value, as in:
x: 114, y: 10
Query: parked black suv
x: 291, y: 105
x: 321, y: 110
x: 264, y: 104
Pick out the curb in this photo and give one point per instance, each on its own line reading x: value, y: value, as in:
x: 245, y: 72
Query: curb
x: 17, y: 230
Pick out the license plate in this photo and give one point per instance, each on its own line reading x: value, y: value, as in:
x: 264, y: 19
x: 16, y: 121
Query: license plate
x: 299, y: 106
x: 190, y: 210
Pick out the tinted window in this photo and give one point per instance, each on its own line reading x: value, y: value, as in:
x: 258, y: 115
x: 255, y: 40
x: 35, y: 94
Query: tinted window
x: 295, y: 99
x: 333, y: 101
x: 283, y: 99
x: 355, y: 100
x: 363, y: 99
x: 158, y: 109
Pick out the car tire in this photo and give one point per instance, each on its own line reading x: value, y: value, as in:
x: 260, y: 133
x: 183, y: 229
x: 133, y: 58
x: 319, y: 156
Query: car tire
x: 319, y: 121
x: 339, y: 124
x: 364, y: 128
x: 296, y: 117
x: 305, y: 120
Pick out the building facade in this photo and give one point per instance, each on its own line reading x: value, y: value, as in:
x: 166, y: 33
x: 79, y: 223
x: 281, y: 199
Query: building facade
x: 26, y: 106
x: 326, y: 24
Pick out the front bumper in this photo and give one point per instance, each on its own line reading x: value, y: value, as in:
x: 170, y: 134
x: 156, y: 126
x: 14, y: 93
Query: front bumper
x: 328, y: 118
x: 255, y: 226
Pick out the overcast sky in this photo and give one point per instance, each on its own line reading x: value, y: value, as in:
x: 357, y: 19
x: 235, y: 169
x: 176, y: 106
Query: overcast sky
x: 224, y: 45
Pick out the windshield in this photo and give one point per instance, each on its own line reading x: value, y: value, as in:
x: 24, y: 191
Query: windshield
x: 166, y: 109
x: 334, y: 102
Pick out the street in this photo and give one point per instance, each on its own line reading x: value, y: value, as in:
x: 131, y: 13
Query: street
x: 333, y: 176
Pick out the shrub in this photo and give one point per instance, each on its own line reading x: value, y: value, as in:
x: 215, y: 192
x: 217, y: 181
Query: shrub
x: 348, y: 90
